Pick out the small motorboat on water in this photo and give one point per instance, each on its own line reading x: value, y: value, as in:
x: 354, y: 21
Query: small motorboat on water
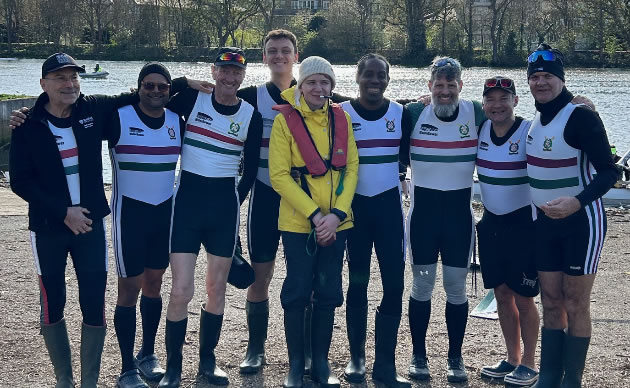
x: 95, y: 75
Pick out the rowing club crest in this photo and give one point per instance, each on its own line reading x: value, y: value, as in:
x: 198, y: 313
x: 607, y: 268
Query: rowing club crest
x: 390, y: 125
x: 514, y: 147
x: 464, y: 131
x: 171, y: 132
x: 548, y: 143
x: 234, y: 128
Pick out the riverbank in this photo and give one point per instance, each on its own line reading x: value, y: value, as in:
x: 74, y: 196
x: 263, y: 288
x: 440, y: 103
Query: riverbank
x: 24, y: 362
x: 478, y: 58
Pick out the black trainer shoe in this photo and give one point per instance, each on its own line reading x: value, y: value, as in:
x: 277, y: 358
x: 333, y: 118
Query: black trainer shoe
x: 522, y: 376
x: 419, y: 368
x: 131, y: 379
x: 456, y: 372
x: 498, y: 370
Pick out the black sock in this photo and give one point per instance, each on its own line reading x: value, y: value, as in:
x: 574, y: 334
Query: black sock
x: 456, y: 318
x: 125, y: 325
x: 151, y: 311
x: 419, y: 314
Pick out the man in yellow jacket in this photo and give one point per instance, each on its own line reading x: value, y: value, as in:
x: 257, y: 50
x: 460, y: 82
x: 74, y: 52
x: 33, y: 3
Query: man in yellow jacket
x: 313, y: 165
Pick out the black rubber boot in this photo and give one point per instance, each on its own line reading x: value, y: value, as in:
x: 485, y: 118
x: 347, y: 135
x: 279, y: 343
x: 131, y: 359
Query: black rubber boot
x: 209, y: 332
x: 419, y: 315
x: 321, y: 336
x: 573, y: 360
x: 58, y: 345
x: 92, y: 340
x: 294, y: 334
x: 356, y: 325
x: 386, y: 338
x: 257, y: 323
x: 551, y: 349
x: 174, y: 339
x: 308, y: 313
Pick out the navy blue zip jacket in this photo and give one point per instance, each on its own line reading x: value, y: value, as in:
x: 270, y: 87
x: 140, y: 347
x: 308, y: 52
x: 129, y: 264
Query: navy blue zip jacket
x: 36, y: 170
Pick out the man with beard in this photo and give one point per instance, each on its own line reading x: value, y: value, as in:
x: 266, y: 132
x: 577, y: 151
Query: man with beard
x: 442, y: 147
x: 570, y: 168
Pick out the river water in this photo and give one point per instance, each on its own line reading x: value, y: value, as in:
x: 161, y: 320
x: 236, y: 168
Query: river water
x: 609, y: 89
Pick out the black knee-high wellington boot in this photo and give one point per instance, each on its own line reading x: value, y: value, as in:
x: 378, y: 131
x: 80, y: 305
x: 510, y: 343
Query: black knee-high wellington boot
x: 356, y: 325
x: 294, y: 334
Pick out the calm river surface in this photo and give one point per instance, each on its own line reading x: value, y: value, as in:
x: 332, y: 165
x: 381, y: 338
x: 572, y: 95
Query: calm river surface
x: 609, y: 89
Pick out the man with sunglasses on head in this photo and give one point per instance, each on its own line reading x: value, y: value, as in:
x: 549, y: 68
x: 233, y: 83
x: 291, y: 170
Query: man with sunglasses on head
x: 570, y: 168
x: 442, y: 147
x: 144, y: 145
x: 506, y: 230
x: 55, y: 165
x: 220, y: 128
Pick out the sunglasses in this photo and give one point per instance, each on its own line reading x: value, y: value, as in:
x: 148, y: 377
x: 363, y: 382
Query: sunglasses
x: 546, y: 55
x: 231, y: 57
x: 445, y: 62
x: 500, y: 82
x: 160, y: 86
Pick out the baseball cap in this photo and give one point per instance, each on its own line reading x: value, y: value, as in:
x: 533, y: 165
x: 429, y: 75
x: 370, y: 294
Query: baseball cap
x: 59, y: 61
x: 231, y: 56
x: 499, y: 82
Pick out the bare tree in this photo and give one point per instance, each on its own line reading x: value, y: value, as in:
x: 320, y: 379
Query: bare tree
x: 9, y: 9
x: 266, y: 8
x: 498, y: 9
x: 412, y: 16
x: 226, y: 16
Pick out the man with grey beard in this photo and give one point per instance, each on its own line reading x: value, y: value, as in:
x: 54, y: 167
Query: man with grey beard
x: 442, y: 149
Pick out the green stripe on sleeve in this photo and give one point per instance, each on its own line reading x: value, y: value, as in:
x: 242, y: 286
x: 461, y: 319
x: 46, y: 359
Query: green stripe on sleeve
x: 70, y: 170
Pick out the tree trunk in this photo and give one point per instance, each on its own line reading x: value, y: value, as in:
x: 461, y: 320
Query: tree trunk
x: 416, y: 32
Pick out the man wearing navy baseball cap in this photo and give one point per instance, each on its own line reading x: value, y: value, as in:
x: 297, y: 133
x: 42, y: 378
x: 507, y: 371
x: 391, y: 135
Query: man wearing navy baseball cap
x: 55, y: 164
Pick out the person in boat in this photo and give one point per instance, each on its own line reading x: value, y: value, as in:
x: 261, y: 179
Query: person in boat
x: 97, y: 68
x: 55, y: 165
x: 507, y: 223
x: 313, y: 166
x: 378, y: 222
x: 220, y: 129
x: 570, y: 168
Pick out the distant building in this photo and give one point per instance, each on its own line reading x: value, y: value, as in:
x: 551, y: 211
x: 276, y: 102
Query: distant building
x: 292, y: 7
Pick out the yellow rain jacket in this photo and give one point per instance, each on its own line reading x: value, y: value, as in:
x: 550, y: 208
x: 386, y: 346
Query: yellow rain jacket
x: 296, y: 206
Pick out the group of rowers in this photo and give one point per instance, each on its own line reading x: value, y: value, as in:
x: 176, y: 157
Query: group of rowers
x: 322, y: 173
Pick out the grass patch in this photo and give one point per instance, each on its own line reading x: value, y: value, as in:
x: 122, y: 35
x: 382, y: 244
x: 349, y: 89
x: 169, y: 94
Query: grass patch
x: 4, y: 97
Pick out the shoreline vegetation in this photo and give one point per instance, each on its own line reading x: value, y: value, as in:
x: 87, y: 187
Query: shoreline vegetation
x: 479, y: 58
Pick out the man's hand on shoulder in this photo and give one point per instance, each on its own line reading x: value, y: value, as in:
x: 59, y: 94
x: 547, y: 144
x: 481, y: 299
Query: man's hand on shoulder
x: 200, y: 85
x: 579, y: 99
x: 18, y: 117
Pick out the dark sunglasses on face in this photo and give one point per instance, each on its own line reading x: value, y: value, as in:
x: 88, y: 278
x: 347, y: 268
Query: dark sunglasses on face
x: 160, y: 86
x: 501, y: 82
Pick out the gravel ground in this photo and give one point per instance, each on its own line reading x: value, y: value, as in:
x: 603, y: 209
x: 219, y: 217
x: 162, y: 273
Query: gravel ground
x: 24, y: 361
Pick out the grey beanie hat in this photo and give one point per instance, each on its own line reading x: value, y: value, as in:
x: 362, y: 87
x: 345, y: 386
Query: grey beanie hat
x: 315, y: 65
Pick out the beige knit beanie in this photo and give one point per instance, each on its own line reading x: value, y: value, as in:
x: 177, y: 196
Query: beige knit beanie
x: 315, y: 65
